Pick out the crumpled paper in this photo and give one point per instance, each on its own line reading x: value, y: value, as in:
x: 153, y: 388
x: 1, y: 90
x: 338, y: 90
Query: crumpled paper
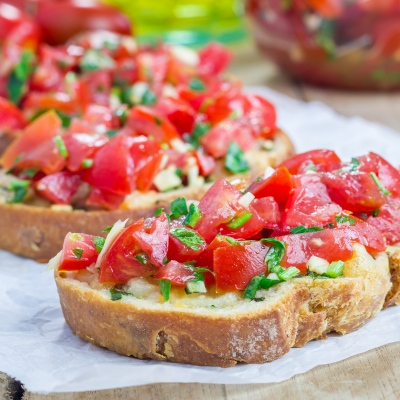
x: 39, y: 349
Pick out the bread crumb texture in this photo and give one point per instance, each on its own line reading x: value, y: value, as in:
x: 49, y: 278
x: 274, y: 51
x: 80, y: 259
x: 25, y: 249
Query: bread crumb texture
x: 222, y: 330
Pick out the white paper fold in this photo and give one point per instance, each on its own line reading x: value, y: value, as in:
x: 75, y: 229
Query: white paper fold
x: 38, y: 348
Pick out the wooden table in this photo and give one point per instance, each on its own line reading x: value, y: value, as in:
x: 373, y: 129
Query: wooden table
x: 372, y: 375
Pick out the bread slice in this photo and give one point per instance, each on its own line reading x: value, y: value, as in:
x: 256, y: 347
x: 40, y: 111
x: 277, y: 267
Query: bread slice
x: 39, y: 232
x: 221, y: 330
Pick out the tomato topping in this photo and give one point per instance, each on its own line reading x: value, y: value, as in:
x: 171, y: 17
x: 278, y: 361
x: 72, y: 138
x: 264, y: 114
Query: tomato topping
x: 45, y: 127
x: 105, y: 199
x: 234, y: 266
x: 176, y: 272
x: 206, y: 162
x: 10, y: 116
x: 329, y: 244
x: 113, y: 167
x: 388, y: 175
x: 268, y: 210
x: 97, y: 115
x: 214, y: 58
x: 147, y: 156
x: 388, y: 221
x: 154, y: 239
x: 146, y: 121
x: 121, y: 262
x: 59, y: 187
x: 78, y: 252
x: 309, y: 206
x: 179, y: 251
x: 278, y: 185
x: 355, y: 192
x: 324, y: 160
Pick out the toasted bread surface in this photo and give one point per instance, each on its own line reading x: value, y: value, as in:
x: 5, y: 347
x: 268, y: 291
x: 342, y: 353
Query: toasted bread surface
x: 39, y: 232
x: 206, y: 329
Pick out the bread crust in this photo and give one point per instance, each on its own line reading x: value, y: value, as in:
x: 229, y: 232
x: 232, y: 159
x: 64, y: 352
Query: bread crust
x: 304, y: 310
x: 39, y: 232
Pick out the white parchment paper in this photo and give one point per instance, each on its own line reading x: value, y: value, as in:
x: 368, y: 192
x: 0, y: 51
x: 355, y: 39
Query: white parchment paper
x: 39, y: 349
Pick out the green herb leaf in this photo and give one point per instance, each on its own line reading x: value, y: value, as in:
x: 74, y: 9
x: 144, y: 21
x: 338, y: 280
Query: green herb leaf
x: 108, y: 229
x: 111, y: 133
x: 165, y: 287
x: 158, y: 121
x: 142, y: 258
x: 335, y: 269
x: 239, y: 221
x: 199, y: 130
x: 268, y: 282
x: 122, y: 114
x: 87, y: 163
x: 376, y: 212
x: 325, y: 37
x: 197, y: 85
x: 30, y: 173
x: 65, y: 119
x: 288, y: 273
x: 311, y: 167
x: 179, y: 207
x: 193, y: 216
x: 232, y: 241
x: 98, y: 242
x: 188, y: 237
x: 149, y: 98
x: 94, y: 60
x: 78, y: 252
x: 378, y: 183
x: 58, y: 140
x: 234, y: 160
x: 17, y: 81
x: 275, y: 253
x: 353, y: 166
x: 252, y: 287
x: 20, y: 189
x: 342, y: 219
x: 303, y: 229
x: 158, y: 212
x: 117, y: 294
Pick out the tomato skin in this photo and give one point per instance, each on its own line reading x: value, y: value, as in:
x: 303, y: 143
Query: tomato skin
x: 268, y: 210
x: 388, y: 175
x: 309, y: 206
x: 206, y: 162
x: 329, y: 244
x: 10, y: 116
x: 105, y: 199
x: 355, y: 192
x: 325, y: 160
x: 119, y: 264
x: 45, y: 127
x: 178, y: 112
x: 261, y: 113
x: 154, y: 239
x: 81, y: 146
x: 147, y: 155
x: 214, y: 58
x: 97, y: 115
x: 388, y: 221
x: 69, y: 260
x: 38, y: 101
x: 59, y: 187
x: 327, y: 8
x: 236, y: 265
x: 144, y: 120
x: 113, y: 168
x: 180, y: 252
x: 279, y: 185
x: 176, y: 272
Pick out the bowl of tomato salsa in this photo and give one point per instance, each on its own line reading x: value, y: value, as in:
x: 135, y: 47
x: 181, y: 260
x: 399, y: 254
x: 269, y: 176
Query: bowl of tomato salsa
x: 352, y: 44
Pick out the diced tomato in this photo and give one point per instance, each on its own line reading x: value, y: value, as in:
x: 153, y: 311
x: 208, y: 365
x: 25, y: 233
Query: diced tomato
x: 176, y: 272
x: 309, y: 206
x: 214, y: 58
x: 10, y: 116
x: 45, y: 127
x: 145, y: 121
x: 152, y: 67
x: 268, y: 210
x: 154, y: 239
x: 82, y: 146
x: 176, y: 158
x: 46, y: 77
x: 178, y: 251
x: 113, y: 167
x: 388, y: 221
x: 279, y: 185
x: 261, y: 114
x: 206, y: 162
x: 178, y: 112
x: 38, y: 101
x: 147, y: 155
x: 329, y: 244
x: 327, y: 8
x: 78, y: 252
x: 206, y: 258
x: 388, y: 175
x: 355, y: 192
x: 99, y: 85
x: 216, y: 140
x: 79, y: 126
x: 59, y: 187
x: 97, y: 115
x: 236, y: 265
x: 105, y: 199
x: 119, y: 263
x: 324, y: 160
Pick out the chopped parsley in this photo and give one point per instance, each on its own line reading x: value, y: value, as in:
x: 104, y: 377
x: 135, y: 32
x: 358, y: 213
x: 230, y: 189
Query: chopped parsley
x: 234, y: 160
x: 199, y: 130
x: 142, y: 258
x: 252, y: 287
x: 158, y: 212
x: 303, y: 229
x: 117, y: 294
x: 376, y: 212
x: 378, y: 183
x: 342, y: 219
x: 98, y: 242
x: 165, y: 287
x: 108, y: 229
x: 188, y: 237
x: 193, y: 216
x: 78, y: 252
x: 275, y: 253
x: 197, y: 85
x: 94, y: 60
x: 20, y: 189
x: 353, y: 166
x: 87, y: 163
x: 178, y: 207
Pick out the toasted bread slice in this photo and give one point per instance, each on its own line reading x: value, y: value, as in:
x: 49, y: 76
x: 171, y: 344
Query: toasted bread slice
x: 39, y: 232
x: 221, y: 330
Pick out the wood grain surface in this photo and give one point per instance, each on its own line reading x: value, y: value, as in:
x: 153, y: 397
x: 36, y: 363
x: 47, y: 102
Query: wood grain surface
x: 372, y: 375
